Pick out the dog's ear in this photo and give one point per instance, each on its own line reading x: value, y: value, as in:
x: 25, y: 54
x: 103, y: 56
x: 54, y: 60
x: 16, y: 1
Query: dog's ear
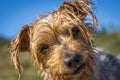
x: 79, y: 8
x: 20, y: 43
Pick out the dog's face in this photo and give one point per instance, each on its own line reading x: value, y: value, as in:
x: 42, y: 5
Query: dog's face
x: 60, y: 43
x: 60, y: 49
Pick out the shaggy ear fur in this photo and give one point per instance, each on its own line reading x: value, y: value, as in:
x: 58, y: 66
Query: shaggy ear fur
x: 80, y: 8
x: 20, y: 43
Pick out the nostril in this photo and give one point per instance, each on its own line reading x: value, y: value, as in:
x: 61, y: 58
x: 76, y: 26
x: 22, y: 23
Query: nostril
x: 77, y: 58
x: 68, y: 62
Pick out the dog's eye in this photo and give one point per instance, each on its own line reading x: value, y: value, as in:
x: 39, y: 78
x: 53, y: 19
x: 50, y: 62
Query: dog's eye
x: 44, y: 48
x: 75, y: 31
x: 66, y: 33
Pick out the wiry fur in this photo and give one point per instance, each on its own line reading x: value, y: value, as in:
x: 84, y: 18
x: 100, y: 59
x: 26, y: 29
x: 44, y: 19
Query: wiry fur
x: 61, y: 32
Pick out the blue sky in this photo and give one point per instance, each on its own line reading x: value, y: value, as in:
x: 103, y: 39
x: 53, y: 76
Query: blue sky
x: 16, y: 13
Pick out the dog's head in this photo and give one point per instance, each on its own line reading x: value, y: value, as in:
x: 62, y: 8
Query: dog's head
x: 60, y: 43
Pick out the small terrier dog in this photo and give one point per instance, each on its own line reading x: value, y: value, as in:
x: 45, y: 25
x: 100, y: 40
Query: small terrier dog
x: 62, y: 45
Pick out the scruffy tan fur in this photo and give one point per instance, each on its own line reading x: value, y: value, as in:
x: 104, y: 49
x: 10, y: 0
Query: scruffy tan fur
x: 51, y: 37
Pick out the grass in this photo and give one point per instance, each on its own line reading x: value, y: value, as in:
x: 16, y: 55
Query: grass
x: 110, y: 42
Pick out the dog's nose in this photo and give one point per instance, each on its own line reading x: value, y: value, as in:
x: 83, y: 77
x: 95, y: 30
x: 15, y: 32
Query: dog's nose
x: 72, y: 61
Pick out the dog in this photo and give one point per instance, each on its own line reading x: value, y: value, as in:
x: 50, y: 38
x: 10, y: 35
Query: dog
x: 61, y: 44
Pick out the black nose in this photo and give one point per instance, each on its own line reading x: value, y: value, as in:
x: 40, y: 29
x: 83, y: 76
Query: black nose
x: 72, y: 61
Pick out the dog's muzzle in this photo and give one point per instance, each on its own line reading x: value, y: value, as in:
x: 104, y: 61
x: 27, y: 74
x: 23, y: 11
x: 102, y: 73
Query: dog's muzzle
x: 74, y: 62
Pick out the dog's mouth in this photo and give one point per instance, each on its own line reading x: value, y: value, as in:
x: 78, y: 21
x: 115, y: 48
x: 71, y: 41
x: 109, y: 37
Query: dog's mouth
x: 77, y: 70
